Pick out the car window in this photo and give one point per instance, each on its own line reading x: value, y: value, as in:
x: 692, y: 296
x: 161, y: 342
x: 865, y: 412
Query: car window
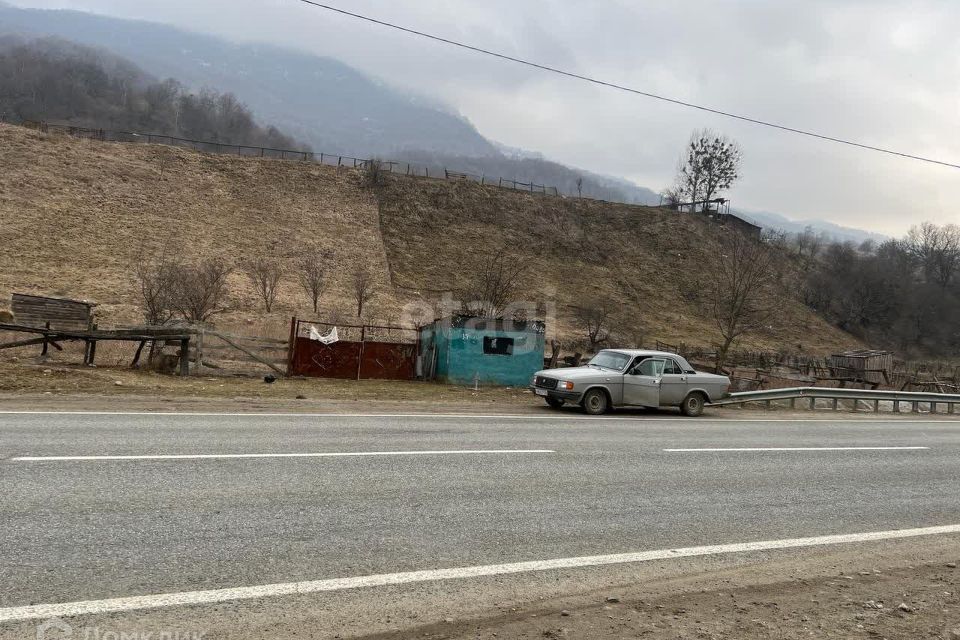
x: 649, y: 367
x: 610, y: 360
x: 672, y: 367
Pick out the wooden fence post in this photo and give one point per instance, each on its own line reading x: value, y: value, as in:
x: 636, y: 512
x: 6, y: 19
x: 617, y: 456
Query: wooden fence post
x: 200, y: 352
x: 46, y: 341
x: 363, y: 341
x: 185, y: 357
x: 90, y: 354
x: 291, y: 344
x: 136, y: 356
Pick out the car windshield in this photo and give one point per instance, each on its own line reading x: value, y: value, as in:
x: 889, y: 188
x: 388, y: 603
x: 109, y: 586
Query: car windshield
x: 610, y: 360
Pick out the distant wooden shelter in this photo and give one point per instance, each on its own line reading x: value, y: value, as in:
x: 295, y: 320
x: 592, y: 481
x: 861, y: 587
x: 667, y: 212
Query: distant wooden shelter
x: 866, y: 365
x: 52, y: 313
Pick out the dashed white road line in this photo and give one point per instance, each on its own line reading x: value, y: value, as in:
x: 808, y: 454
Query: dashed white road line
x: 134, y: 603
x: 747, y: 449
x: 219, y: 456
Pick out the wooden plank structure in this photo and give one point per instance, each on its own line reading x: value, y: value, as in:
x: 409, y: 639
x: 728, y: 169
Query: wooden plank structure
x: 864, y: 365
x: 55, y: 313
x: 50, y: 336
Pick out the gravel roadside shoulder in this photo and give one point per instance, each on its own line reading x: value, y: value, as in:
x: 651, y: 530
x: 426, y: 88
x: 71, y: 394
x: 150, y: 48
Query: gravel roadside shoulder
x: 854, y: 593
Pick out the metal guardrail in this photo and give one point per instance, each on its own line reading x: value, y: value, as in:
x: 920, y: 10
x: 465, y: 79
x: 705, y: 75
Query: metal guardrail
x: 835, y: 396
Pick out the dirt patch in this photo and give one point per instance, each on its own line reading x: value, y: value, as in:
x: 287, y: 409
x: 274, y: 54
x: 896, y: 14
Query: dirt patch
x: 98, y: 388
x: 59, y: 386
x: 899, y: 603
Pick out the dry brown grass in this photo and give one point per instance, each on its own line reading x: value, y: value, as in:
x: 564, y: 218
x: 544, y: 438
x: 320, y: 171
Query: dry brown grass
x: 70, y: 381
x: 647, y: 260
x: 75, y: 213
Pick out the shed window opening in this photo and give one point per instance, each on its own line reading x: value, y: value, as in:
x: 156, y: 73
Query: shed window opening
x: 498, y: 346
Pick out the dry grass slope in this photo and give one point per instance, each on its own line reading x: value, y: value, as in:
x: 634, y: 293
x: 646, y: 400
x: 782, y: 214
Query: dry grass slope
x: 74, y: 214
x: 647, y: 260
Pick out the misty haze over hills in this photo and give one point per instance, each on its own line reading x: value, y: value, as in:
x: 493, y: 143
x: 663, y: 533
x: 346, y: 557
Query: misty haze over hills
x: 335, y: 108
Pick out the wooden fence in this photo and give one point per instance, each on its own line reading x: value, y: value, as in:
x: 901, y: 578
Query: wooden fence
x: 329, y: 159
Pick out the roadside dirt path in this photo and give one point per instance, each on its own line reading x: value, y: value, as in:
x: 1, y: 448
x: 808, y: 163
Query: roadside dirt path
x: 859, y: 596
x: 76, y: 388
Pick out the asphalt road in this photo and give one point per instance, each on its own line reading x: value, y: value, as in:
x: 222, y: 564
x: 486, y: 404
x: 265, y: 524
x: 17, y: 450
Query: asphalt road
x: 556, y: 486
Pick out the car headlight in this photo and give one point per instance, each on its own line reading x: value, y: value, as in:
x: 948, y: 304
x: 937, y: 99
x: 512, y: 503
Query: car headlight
x: 565, y: 385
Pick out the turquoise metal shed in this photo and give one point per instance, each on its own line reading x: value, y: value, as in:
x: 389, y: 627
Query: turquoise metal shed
x: 464, y: 349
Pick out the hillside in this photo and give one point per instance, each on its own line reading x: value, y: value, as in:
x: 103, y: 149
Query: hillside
x: 335, y: 108
x: 74, y: 215
x: 321, y: 101
x: 56, y: 80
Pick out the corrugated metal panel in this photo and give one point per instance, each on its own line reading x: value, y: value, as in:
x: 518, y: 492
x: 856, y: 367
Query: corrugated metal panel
x: 353, y: 360
x: 388, y: 361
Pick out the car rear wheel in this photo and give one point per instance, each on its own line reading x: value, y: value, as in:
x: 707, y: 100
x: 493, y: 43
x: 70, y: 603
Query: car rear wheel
x: 595, y: 402
x: 693, y: 404
x: 555, y: 403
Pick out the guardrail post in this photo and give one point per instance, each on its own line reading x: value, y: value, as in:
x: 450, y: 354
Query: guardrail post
x: 876, y: 406
x: 914, y: 407
x: 793, y: 403
x: 836, y: 404
x: 767, y: 405
x: 933, y: 407
x: 896, y: 406
x: 950, y: 408
x: 813, y: 403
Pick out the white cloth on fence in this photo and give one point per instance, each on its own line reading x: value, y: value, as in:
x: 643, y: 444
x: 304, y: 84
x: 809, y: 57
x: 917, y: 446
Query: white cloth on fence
x: 329, y: 338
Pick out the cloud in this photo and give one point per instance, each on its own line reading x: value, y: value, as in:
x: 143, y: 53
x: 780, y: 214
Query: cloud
x: 878, y: 71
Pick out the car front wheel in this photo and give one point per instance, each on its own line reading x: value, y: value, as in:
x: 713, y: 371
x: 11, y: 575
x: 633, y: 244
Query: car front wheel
x: 595, y: 402
x: 693, y: 404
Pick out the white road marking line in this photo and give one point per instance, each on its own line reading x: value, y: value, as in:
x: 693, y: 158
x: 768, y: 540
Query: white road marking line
x: 134, y: 603
x: 742, y: 449
x: 218, y: 456
x: 847, y: 419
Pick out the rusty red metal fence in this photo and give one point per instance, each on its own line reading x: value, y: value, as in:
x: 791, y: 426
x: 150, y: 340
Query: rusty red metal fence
x: 361, y: 352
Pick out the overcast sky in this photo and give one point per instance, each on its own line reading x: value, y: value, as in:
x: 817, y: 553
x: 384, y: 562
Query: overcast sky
x: 886, y: 73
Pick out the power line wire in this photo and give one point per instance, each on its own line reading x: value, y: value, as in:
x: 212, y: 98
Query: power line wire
x: 620, y: 87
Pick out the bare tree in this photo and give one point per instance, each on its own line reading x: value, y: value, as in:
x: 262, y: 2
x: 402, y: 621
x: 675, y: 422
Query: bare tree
x: 156, y: 277
x: 494, y: 284
x: 671, y: 198
x: 374, y: 173
x: 265, y: 275
x: 710, y: 164
x: 199, y: 289
x: 363, y: 288
x: 312, y: 269
x: 937, y: 250
x: 580, y: 187
x: 594, y: 320
x: 740, y: 292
